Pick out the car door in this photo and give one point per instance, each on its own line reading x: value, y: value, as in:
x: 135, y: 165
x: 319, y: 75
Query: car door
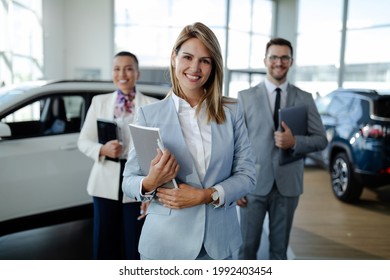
x: 41, y: 168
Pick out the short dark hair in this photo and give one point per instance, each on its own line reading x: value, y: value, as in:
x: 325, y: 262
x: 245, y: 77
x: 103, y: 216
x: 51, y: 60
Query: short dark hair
x: 279, y: 42
x: 129, y: 54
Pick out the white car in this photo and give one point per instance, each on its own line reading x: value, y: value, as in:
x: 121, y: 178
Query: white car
x: 43, y: 175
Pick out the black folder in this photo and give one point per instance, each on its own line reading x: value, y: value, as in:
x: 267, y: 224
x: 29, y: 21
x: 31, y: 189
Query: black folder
x: 107, y: 131
x: 296, y: 119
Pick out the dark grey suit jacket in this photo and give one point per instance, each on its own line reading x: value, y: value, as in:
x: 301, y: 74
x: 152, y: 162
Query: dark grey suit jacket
x: 259, y: 120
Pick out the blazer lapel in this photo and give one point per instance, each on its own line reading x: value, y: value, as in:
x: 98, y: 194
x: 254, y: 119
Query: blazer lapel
x: 291, y: 96
x: 216, y: 148
x: 265, y: 104
x: 108, y: 107
x: 172, y: 130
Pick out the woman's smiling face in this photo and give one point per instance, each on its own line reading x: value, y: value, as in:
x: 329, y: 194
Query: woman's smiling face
x: 193, y: 65
x: 125, y: 73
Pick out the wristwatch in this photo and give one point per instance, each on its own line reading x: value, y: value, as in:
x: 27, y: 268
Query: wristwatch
x: 214, y: 196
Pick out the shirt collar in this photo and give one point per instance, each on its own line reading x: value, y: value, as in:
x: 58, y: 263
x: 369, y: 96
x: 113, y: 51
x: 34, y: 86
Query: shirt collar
x: 181, y: 104
x: 271, y: 87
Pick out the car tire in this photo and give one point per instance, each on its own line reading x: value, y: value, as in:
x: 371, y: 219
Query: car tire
x: 344, y: 185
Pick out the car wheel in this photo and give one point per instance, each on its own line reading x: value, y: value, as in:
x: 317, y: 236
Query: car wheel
x: 344, y: 186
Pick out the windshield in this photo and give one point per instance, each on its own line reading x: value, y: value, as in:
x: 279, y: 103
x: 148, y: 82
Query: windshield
x: 6, y: 94
x: 9, y: 92
x: 323, y: 103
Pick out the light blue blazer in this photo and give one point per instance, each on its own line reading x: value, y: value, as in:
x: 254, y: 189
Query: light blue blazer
x: 179, y: 234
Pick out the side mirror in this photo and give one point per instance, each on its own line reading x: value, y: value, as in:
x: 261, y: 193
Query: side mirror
x: 5, y: 131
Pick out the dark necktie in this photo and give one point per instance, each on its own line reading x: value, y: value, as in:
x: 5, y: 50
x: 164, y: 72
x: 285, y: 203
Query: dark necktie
x: 277, y: 107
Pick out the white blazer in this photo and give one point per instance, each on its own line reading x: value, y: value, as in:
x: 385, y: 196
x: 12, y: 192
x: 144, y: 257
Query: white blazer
x: 104, y: 177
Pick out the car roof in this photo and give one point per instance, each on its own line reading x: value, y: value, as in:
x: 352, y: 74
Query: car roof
x: 12, y: 95
x: 369, y: 93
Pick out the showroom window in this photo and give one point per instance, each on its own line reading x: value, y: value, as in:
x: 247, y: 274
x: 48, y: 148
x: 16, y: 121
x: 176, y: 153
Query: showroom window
x: 342, y: 44
x: 317, y: 54
x: 162, y: 20
x: 21, y: 41
x: 243, y: 25
x: 250, y: 27
x: 367, y: 56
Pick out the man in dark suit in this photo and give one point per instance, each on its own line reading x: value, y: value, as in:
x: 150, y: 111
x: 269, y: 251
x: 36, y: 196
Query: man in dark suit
x: 278, y: 186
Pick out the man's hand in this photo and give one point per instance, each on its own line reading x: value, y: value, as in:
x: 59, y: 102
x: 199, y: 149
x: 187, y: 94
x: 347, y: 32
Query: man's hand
x: 143, y: 208
x: 242, y: 202
x: 284, y: 139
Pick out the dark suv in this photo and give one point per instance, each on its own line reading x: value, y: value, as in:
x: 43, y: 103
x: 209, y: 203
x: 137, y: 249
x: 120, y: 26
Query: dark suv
x: 357, y: 123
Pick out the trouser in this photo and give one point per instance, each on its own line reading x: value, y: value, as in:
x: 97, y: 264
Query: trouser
x: 280, y: 211
x: 116, y: 230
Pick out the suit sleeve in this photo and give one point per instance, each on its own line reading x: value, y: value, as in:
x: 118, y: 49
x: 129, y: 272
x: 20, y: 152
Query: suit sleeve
x: 315, y: 140
x: 132, y: 172
x: 243, y: 178
x: 88, y: 140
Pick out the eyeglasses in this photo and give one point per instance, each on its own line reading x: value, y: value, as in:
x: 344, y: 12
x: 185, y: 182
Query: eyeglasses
x: 284, y: 58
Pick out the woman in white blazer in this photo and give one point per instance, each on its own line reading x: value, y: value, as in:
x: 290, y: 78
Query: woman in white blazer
x: 117, y: 220
x: 207, y: 151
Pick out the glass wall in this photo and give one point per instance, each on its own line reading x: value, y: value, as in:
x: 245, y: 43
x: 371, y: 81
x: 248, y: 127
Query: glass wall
x: 339, y: 43
x: 317, y: 58
x: 243, y: 25
x: 250, y: 27
x: 342, y: 44
x: 148, y: 28
x: 21, y: 41
x: 367, y: 55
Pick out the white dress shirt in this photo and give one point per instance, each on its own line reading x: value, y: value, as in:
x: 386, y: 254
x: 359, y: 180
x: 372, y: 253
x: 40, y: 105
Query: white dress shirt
x: 197, y: 134
x: 271, y: 91
x: 272, y: 94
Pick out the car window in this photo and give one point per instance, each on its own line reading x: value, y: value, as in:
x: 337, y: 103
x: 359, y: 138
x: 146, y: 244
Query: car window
x: 339, y: 105
x: 382, y: 107
x: 358, y: 109
x: 322, y: 103
x: 365, y: 105
x: 51, y: 115
x: 30, y: 112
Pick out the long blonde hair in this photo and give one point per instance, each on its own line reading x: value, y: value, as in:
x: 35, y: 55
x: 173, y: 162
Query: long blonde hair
x: 213, y: 86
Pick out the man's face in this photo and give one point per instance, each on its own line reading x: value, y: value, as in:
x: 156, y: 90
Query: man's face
x: 278, y: 61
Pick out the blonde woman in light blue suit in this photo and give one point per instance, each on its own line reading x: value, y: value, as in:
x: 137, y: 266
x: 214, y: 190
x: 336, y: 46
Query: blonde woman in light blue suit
x: 207, y: 151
